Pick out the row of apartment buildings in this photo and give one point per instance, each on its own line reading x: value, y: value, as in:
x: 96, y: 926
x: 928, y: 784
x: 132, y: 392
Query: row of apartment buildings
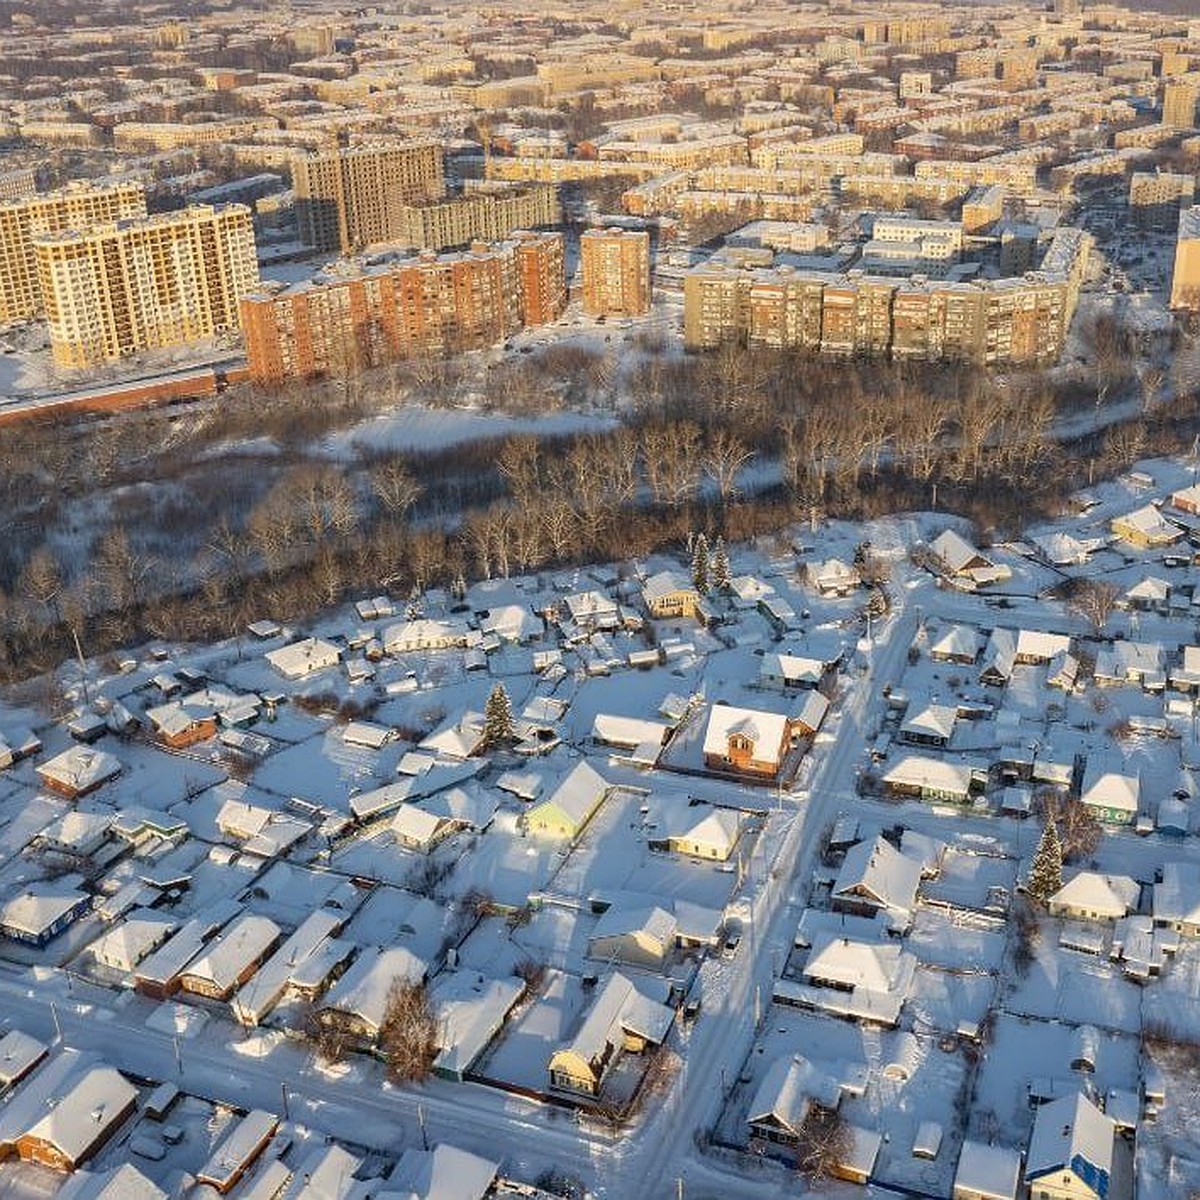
x: 429, y: 305
x: 1017, y: 320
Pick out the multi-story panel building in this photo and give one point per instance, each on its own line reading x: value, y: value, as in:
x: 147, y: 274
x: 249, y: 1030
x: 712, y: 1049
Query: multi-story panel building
x: 1185, y: 281
x: 1021, y: 319
x: 615, y: 271
x: 116, y: 288
x: 1180, y: 98
x: 1156, y: 197
x: 429, y: 305
x: 78, y: 205
x: 487, y: 212
x: 347, y: 199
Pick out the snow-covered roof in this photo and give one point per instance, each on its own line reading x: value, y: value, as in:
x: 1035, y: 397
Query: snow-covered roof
x: 1071, y: 1133
x: 956, y: 552
x: 932, y: 721
x: 37, y: 908
x: 956, y: 641
x: 303, y: 658
x: 664, y: 584
x: 877, y: 870
x: 795, y: 668
x: 244, y: 942
x: 414, y: 825
x: 443, y: 1173
x: 1148, y: 523
x: 929, y: 774
x: 577, y: 796
x: 812, y: 711
x: 870, y: 966
x: 766, y: 730
x: 1110, y: 789
x: 652, y: 922
x: 1114, y: 895
x: 19, y: 1054
x: 786, y: 1089
x: 80, y: 768
x: 363, y: 990
x: 991, y: 1172
x: 1177, y: 896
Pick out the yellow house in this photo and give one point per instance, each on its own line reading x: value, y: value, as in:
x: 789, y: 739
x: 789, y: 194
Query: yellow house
x: 571, y: 807
x: 1146, y: 528
x: 669, y: 594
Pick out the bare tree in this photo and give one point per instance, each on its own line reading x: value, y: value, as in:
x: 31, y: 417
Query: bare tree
x: 724, y: 457
x: 408, y: 1033
x: 1079, y: 831
x: 394, y: 486
x: 1094, y: 600
x: 823, y: 1143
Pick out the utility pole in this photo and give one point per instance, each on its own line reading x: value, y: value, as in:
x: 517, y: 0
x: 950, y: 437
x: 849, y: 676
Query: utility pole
x: 58, y: 1034
x: 178, y: 1054
x: 424, y: 1133
x: 283, y: 1094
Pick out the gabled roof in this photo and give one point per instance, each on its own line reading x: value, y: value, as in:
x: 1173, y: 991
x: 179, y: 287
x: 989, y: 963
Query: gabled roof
x: 786, y: 1090
x: 1072, y: 1134
x: 871, y: 966
x: 882, y: 872
x: 956, y: 641
x: 664, y: 584
x: 1116, y: 894
x: 765, y: 729
x: 654, y: 923
x: 1177, y: 897
x: 956, y: 552
x: 1110, y: 789
x: 934, y: 720
x: 577, y: 796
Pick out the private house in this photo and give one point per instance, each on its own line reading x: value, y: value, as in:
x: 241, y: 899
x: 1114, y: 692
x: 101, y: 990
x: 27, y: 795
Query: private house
x: 301, y: 659
x: 955, y: 644
x: 1148, y: 595
x: 443, y: 1173
x: 78, y: 771
x: 1127, y: 662
x: 231, y: 958
x: 19, y: 1054
x: 303, y: 962
x: 461, y: 737
x: 833, y: 577
x: 635, y: 937
x: 237, y: 1151
x: 1186, y: 676
x: 1091, y: 896
x: 670, y: 595
x: 40, y: 913
x: 181, y: 723
x: 511, y: 623
x: 565, y: 812
x: 77, y: 834
x: 1062, y: 671
x: 787, y: 1091
x: 811, y: 715
x: 589, y: 611
x: 790, y: 672
x: 471, y: 1010
x: 859, y: 980
x: 933, y: 725
x: 621, y: 1020
x: 1187, y: 500
x: 1034, y: 647
x: 65, y: 1113
x: 929, y: 778
x: 1112, y: 795
x: 157, y: 974
x: 964, y: 563
x: 357, y: 1003
x: 410, y: 637
x: 1146, y: 528
x: 987, y: 1173
x: 1063, y: 550
x: 744, y: 741
x: 1177, y: 899
x: 1070, y: 1151
x: 415, y: 829
x: 699, y: 831
x: 876, y: 878
x: 126, y: 944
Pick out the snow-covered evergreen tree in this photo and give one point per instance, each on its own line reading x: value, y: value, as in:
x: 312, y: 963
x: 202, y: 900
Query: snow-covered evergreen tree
x: 700, y: 563
x: 1045, y: 873
x: 497, y: 718
x: 721, y: 577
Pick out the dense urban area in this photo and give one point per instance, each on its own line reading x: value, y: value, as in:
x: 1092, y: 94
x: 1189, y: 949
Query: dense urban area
x: 599, y: 601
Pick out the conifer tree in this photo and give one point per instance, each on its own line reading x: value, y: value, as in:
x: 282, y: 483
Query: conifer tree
x: 700, y: 563
x: 1045, y: 874
x: 497, y: 718
x: 720, y: 566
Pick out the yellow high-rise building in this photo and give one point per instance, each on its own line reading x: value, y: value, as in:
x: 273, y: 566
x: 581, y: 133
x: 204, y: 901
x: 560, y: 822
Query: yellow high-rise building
x: 22, y: 219
x: 1185, y: 281
x: 116, y: 288
x: 1180, y: 97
